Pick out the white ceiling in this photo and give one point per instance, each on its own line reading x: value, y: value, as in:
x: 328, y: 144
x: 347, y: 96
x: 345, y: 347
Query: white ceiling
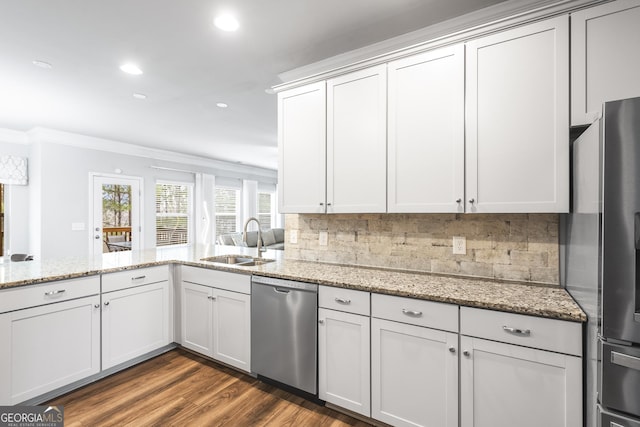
x: 188, y: 65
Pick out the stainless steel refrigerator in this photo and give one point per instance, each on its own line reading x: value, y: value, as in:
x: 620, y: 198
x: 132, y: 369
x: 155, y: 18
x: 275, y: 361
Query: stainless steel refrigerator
x: 601, y: 261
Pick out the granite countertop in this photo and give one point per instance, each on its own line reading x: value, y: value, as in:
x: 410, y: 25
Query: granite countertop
x: 542, y: 301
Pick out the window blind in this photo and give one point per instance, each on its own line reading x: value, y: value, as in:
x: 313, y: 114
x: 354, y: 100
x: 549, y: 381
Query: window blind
x: 173, y: 213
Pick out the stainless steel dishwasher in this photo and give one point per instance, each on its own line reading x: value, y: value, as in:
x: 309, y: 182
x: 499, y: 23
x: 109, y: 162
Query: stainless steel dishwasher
x: 284, y: 316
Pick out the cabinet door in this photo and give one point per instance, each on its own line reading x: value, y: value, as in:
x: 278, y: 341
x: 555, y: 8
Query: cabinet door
x: 414, y: 375
x: 426, y: 132
x: 604, y: 57
x: 197, y: 318
x: 356, y: 142
x: 507, y: 385
x: 517, y: 150
x: 302, y: 149
x: 48, y: 347
x: 232, y: 328
x: 134, y: 322
x: 344, y: 360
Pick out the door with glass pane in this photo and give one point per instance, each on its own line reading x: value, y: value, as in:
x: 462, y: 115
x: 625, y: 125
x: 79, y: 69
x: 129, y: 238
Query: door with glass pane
x: 116, y: 214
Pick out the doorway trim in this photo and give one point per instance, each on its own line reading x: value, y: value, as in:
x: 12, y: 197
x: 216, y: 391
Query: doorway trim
x: 92, y: 177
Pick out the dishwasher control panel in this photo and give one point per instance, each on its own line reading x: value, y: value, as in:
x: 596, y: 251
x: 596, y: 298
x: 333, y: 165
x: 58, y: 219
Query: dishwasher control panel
x: 272, y: 281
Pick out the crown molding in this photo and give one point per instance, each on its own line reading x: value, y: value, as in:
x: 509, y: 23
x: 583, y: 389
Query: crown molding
x: 45, y: 135
x: 13, y: 136
x: 463, y: 28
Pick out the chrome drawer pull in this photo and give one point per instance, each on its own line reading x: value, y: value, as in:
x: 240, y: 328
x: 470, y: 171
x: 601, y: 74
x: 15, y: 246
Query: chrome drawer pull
x: 342, y: 300
x: 138, y: 278
x: 625, y: 360
x: 59, y: 291
x: 516, y: 331
x: 412, y: 313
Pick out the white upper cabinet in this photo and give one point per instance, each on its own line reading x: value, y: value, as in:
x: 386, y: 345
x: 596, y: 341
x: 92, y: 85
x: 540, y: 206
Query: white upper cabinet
x: 426, y: 132
x: 517, y: 120
x: 301, y: 149
x: 604, y: 57
x: 356, y: 142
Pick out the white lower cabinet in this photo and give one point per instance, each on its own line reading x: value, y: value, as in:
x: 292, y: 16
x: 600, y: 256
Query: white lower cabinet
x: 135, y: 321
x: 197, y: 315
x: 231, y: 328
x: 47, y: 345
x: 344, y: 360
x: 414, y: 369
x: 217, y: 322
x: 508, y: 385
x: 519, y: 370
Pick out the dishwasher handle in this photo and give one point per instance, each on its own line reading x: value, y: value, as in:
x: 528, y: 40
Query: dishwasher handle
x: 281, y: 290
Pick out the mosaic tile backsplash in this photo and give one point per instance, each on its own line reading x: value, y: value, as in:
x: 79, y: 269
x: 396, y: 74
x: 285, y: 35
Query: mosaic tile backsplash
x: 519, y: 247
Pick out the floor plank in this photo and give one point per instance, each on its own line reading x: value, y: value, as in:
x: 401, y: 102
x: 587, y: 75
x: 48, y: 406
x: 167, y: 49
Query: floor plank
x: 180, y: 388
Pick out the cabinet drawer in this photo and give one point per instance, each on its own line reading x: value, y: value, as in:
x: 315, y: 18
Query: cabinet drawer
x: 415, y: 312
x: 47, y: 293
x: 348, y: 300
x: 530, y: 331
x: 234, y: 282
x: 139, y: 276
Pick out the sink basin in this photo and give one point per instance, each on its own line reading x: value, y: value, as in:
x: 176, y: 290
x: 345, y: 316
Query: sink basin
x: 241, y: 260
x: 256, y: 261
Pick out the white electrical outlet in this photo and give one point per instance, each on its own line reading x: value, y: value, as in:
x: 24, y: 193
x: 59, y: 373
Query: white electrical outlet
x: 293, y: 236
x: 323, y: 238
x: 459, y: 245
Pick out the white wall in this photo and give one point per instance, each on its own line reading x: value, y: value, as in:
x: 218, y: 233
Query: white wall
x: 59, y: 187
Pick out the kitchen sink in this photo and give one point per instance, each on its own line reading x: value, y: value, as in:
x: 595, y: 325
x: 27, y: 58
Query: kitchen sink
x: 240, y: 260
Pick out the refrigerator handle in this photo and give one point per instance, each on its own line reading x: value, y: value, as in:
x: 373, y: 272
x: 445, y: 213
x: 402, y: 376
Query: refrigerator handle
x: 637, y: 231
x: 636, y: 314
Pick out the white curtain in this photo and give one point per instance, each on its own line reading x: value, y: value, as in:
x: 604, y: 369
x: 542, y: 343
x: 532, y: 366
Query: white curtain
x: 13, y: 170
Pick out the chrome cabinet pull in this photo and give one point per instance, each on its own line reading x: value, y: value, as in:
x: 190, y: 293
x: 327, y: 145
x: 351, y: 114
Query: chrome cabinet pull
x: 96, y: 306
x: 467, y: 353
x: 516, y: 331
x: 321, y: 204
x: 59, y: 291
x: 212, y: 298
x: 452, y: 349
x: 321, y: 321
x: 458, y: 200
x: 138, y: 278
x: 625, y: 360
x: 472, y: 201
x: 106, y: 303
x: 412, y: 313
x: 342, y: 300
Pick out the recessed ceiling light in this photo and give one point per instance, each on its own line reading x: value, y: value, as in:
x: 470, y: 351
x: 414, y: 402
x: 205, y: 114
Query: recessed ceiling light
x: 42, y: 64
x: 226, y: 22
x: 131, y: 69
x: 137, y: 95
x: 221, y: 105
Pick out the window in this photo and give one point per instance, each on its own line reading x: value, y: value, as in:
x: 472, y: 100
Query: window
x: 227, y: 210
x: 266, y: 210
x: 173, y: 213
x: 2, y: 220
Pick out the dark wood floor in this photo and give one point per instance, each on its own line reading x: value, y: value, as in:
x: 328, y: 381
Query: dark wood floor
x: 182, y: 389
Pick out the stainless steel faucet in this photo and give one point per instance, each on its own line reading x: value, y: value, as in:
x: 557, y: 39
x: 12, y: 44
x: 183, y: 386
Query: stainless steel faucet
x: 244, y: 235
